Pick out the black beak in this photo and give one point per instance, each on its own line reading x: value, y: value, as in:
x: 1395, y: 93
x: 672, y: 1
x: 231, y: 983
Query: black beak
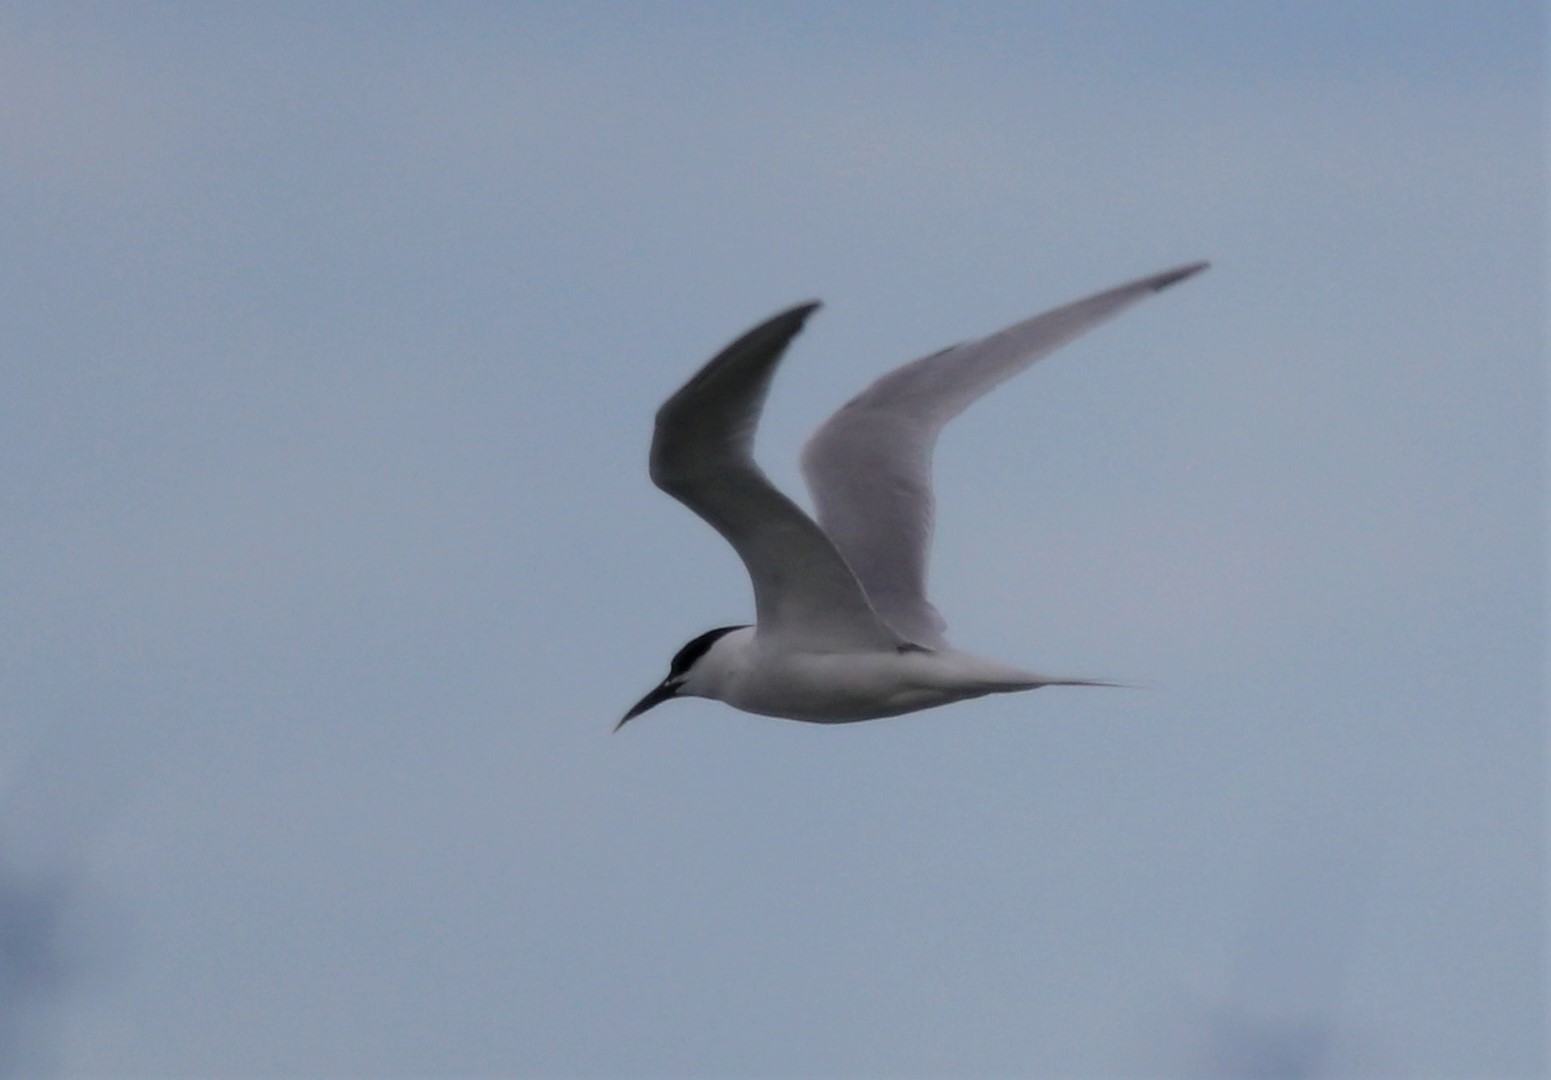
x: 668, y: 688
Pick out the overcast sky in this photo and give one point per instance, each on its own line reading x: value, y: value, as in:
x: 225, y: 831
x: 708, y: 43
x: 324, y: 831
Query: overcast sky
x: 328, y: 560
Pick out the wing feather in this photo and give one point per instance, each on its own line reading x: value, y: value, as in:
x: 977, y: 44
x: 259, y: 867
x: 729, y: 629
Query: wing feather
x: 702, y: 455
x: 869, y: 467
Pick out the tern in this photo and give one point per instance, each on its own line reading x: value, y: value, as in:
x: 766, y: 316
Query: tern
x: 843, y: 630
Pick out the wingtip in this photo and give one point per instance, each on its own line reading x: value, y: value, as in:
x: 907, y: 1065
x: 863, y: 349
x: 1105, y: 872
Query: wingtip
x: 1175, y: 276
x: 791, y: 321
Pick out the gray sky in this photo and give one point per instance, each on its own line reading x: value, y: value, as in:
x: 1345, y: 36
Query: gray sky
x: 333, y: 335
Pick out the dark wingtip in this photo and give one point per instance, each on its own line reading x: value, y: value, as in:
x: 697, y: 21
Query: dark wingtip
x: 1174, y: 277
x: 803, y: 310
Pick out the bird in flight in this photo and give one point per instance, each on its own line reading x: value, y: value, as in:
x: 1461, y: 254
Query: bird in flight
x: 843, y: 630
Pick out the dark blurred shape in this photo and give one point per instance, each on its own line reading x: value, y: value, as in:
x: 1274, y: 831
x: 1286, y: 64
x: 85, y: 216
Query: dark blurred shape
x: 1244, y: 1045
x: 34, y: 968
x: 56, y: 934
x: 1287, y: 1015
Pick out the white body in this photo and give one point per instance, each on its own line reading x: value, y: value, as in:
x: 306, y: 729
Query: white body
x: 844, y: 630
x: 760, y: 676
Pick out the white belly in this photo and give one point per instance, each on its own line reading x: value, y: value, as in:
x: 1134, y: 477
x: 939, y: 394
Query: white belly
x: 836, y: 688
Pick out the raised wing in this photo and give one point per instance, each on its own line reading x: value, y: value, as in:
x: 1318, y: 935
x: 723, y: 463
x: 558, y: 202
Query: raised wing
x: 702, y: 455
x: 869, y: 466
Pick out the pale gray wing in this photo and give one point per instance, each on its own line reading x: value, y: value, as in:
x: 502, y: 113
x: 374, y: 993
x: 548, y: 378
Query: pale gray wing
x: 869, y: 466
x: 702, y: 455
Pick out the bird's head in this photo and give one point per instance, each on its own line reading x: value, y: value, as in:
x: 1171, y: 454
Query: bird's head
x: 682, y: 673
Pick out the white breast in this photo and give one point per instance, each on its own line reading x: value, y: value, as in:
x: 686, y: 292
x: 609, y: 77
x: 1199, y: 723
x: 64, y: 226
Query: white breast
x: 838, y: 687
